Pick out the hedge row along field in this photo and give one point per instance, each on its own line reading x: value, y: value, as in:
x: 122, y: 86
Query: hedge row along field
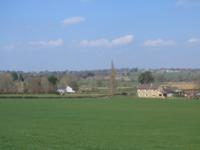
x: 121, y: 123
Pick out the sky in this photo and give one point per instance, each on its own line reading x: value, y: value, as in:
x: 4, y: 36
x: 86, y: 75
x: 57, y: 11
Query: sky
x: 56, y: 35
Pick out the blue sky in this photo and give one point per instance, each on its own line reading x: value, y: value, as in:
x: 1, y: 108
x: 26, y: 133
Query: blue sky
x: 87, y: 34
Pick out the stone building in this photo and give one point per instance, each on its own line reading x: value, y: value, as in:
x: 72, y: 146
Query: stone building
x: 150, y: 91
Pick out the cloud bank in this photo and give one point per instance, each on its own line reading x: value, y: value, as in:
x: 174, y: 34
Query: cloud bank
x: 194, y: 40
x: 49, y: 43
x: 104, y: 42
x: 159, y: 42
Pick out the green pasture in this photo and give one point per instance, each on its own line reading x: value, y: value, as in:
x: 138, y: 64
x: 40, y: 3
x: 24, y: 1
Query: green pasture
x: 121, y: 123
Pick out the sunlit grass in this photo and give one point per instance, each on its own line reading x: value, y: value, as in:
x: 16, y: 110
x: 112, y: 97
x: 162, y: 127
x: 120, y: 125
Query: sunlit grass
x: 99, y: 124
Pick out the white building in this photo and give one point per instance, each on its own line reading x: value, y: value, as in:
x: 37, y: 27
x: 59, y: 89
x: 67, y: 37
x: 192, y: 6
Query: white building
x: 68, y: 89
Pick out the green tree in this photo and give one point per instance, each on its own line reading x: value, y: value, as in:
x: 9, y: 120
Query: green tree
x: 53, y: 80
x: 146, y: 78
x: 14, y: 76
x: 20, y: 78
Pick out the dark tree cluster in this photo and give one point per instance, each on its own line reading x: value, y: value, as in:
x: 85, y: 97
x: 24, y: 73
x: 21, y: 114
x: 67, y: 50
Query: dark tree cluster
x: 146, y: 78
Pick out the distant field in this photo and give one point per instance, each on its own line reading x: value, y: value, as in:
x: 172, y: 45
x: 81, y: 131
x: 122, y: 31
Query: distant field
x: 183, y: 85
x: 121, y: 123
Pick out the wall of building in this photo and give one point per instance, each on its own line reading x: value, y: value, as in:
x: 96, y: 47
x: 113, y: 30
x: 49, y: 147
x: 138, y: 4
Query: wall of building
x: 150, y: 93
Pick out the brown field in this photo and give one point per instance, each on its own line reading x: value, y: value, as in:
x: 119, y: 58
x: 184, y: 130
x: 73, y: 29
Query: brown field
x: 183, y: 85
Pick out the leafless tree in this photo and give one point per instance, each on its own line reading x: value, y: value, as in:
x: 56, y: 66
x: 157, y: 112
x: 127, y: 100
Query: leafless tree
x: 6, y: 83
x: 113, y: 82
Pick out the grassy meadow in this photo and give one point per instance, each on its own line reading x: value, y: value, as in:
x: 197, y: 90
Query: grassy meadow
x: 121, y: 123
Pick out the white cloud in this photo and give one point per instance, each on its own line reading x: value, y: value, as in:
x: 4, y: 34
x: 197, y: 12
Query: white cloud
x: 159, y: 42
x: 73, y: 20
x: 194, y: 40
x: 35, y: 44
x: 103, y: 42
x: 94, y: 43
x: 124, y: 40
x: 49, y: 43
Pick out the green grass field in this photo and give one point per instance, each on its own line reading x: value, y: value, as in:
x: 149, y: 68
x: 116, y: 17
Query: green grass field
x: 99, y: 124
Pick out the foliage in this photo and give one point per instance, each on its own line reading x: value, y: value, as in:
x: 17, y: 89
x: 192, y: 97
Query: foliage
x: 20, y: 78
x: 53, y: 80
x: 48, y: 82
x: 145, y: 78
x: 87, y: 74
x: 14, y: 76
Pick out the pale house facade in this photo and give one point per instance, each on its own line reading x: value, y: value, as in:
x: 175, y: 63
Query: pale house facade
x: 150, y: 91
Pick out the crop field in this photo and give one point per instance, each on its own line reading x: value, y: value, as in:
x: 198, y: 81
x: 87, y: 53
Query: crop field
x: 121, y: 123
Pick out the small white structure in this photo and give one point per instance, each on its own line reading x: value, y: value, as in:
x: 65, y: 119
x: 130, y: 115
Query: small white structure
x: 68, y: 89
x: 61, y: 91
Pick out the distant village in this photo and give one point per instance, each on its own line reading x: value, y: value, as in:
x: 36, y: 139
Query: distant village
x: 144, y: 83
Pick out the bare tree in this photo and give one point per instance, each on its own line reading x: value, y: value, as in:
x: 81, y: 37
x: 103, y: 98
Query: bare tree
x: 6, y: 83
x: 67, y: 80
x: 113, y: 82
x: 19, y: 85
x: 63, y: 82
x: 33, y: 85
x: 47, y: 87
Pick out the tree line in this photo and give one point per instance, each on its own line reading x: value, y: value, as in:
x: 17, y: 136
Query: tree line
x: 48, y: 82
x: 15, y: 82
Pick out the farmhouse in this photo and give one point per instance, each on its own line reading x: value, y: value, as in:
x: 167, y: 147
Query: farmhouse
x: 68, y: 89
x: 150, y: 91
